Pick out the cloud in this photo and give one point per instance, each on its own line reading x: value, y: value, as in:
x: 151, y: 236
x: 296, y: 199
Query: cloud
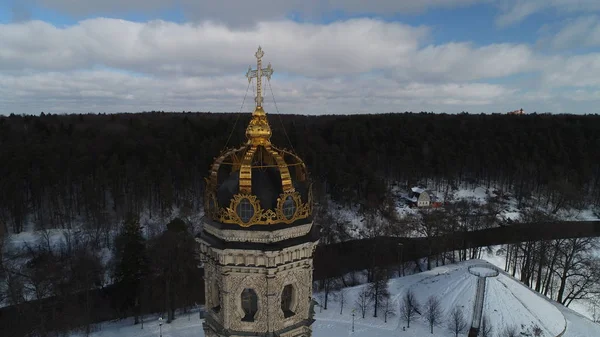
x: 574, y: 71
x: 462, y: 61
x: 167, y: 49
x: 514, y: 11
x: 235, y: 12
x: 359, y: 65
x: 106, y: 91
x: 583, y: 31
x: 160, y: 47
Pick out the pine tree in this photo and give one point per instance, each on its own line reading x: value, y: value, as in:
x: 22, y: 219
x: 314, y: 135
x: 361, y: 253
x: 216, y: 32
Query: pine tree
x: 174, y: 264
x: 131, y: 264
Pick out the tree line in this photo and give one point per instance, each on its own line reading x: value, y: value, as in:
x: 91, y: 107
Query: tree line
x: 565, y: 270
x: 96, y: 168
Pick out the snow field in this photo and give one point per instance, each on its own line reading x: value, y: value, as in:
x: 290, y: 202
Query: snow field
x: 507, y: 302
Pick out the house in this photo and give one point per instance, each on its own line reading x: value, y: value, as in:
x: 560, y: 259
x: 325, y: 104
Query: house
x: 517, y: 112
x: 422, y: 198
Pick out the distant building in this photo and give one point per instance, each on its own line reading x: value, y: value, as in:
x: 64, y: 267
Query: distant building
x: 517, y: 112
x: 420, y: 197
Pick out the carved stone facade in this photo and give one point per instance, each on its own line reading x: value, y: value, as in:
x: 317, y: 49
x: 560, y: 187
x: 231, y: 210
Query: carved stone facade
x: 258, y: 239
x: 228, y: 271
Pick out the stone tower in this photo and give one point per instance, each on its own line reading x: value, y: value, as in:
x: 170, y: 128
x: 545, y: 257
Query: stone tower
x: 258, y: 237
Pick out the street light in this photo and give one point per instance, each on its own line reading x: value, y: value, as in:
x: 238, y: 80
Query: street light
x: 160, y: 325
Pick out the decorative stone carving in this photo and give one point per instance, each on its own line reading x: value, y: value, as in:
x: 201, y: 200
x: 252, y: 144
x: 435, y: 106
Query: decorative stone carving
x: 301, y: 279
x: 258, y: 236
x: 295, y: 268
x: 256, y: 257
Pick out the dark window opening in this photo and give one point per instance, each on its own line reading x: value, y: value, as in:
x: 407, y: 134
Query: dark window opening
x: 216, y: 298
x: 286, y: 301
x: 249, y: 304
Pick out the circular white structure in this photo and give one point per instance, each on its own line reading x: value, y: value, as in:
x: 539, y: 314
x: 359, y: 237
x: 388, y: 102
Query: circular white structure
x: 484, y: 271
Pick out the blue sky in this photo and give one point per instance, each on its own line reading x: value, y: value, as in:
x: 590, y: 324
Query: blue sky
x: 434, y: 55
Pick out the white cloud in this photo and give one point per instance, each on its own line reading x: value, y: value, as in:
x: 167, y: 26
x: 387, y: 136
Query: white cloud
x: 360, y: 65
x: 514, y: 11
x: 198, y: 49
x: 574, y: 71
x: 341, y: 48
x: 462, y: 61
x: 582, y: 31
x: 82, y: 91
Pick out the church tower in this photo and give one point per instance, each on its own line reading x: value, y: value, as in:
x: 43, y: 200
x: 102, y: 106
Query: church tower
x: 258, y: 237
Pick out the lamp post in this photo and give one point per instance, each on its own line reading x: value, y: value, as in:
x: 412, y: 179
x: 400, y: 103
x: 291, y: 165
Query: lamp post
x: 160, y: 325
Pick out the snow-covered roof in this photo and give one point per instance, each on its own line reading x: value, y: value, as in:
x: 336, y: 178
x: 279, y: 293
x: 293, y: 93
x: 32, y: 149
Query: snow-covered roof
x: 417, y: 190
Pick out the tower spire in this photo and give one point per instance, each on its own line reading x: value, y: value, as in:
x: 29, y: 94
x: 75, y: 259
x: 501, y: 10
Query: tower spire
x: 258, y: 130
x: 258, y: 74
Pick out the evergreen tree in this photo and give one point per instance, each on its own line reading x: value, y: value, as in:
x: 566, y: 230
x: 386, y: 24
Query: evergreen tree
x: 131, y: 265
x: 175, y: 266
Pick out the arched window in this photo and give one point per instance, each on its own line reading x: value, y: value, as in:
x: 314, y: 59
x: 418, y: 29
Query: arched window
x: 249, y: 304
x: 245, y: 210
x: 289, y: 207
x: 287, y: 296
x: 216, y: 297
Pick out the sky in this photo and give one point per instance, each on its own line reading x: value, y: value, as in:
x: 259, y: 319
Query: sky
x: 329, y: 56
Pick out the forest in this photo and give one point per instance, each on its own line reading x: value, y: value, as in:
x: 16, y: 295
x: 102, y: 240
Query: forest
x: 94, y: 175
x: 100, y: 167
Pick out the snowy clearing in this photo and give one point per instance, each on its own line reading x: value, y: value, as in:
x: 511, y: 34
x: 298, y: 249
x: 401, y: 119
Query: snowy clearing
x: 507, y: 302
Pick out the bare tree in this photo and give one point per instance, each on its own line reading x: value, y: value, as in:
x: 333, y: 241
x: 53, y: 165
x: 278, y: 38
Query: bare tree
x: 576, y: 268
x: 594, y: 308
x: 363, y: 300
x: 387, y: 305
x: 341, y: 297
x: 433, y: 312
x: 15, y: 288
x: 457, y: 323
x: 379, y: 288
x: 509, y: 331
x: 321, y: 297
x: 486, y: 328
x: 328, y: 285
x: 429, y: 225
x: 409, y: 307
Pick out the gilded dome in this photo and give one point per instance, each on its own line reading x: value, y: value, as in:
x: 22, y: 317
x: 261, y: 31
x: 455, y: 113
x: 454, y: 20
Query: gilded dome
x: 258, y: 183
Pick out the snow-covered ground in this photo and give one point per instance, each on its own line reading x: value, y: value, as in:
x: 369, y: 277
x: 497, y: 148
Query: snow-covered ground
x: 507, y: 302
x: 581, y: 307
x: 355, y: 223
x: 507, y: 203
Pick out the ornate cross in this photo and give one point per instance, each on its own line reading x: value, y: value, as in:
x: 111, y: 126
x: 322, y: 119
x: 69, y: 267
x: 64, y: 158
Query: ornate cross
x: 258, y: 74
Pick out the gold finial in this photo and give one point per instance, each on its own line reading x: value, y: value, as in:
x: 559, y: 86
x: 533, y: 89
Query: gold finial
x: 259, y: 131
